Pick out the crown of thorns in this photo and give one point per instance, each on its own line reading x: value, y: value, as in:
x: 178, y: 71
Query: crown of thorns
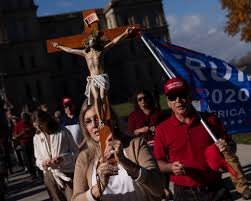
x: 99, y: 35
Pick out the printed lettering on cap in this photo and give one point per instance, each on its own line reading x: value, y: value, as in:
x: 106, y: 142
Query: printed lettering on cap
x: 175, y: 85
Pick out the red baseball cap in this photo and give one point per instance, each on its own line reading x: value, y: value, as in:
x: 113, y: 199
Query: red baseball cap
x: 67, y: 101
x: 175, y: 84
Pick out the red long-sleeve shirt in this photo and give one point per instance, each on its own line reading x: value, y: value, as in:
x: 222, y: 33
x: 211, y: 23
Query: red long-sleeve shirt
x: 24, y: 132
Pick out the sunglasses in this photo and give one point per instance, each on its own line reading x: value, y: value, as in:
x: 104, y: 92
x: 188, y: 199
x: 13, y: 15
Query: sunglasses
x: 66, y: 106
x: 174, y: 96
x: 142, y: 98
x: 90, y: 120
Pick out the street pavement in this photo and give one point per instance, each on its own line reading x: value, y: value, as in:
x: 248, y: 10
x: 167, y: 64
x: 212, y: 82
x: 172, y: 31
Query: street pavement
x: 21, y: 187
x: 243, y: 151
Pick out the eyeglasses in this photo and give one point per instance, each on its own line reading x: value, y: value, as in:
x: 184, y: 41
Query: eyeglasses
x: 174, y: 96
x: 90, y: 120
x: 142, y: 98
x: 67, y: 106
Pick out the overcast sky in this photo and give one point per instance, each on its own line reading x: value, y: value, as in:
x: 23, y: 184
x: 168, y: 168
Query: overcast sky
x: 194, y: 24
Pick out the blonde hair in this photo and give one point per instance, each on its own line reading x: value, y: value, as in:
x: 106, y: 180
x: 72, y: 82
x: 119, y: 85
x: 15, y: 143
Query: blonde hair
x: 90, y: 147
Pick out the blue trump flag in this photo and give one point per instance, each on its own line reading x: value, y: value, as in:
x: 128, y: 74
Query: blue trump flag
x: 220, y: 87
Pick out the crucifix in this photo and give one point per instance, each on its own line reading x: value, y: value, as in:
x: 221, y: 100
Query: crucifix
x: 94, y: 44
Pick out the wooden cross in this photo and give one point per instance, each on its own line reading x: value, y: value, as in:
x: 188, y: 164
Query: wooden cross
x: 76, y: 41
x: 91, y: 23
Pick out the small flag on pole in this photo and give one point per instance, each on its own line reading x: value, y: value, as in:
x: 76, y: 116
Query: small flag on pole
x: 90, y: 19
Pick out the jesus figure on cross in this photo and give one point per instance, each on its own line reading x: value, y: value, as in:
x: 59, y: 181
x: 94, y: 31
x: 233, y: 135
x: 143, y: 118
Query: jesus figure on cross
x: 98, y: 82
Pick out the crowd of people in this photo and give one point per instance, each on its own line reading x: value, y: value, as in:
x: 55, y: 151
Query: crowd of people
x: 27, y: 141
x: 64, y: 149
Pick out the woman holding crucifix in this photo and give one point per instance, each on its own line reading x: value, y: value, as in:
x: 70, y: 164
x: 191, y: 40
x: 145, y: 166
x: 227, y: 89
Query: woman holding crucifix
x: 134, y: 176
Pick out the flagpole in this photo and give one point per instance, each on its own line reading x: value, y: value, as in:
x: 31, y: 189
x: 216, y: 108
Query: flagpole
x: 170, y: 74
x: 207, y: 128
x: 164, y: 67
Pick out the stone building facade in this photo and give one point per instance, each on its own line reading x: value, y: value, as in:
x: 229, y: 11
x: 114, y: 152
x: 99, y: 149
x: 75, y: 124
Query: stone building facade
x: 29, y: 72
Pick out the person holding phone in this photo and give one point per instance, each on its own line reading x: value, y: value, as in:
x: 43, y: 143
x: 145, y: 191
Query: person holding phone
x: 55, y: 153
x: 134, y: 176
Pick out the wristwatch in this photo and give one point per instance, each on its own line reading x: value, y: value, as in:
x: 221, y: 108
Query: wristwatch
x: 152, y: 128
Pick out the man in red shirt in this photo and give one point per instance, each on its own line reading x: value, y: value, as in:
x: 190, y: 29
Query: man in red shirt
x: 24, y: 133
x: 180, y: 145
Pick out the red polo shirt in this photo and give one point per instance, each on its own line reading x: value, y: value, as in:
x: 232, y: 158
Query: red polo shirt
x: 187, y: 143
x: 138, y: 119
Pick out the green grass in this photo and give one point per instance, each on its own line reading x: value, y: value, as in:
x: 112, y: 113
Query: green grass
x: 163, y: 103
x: 242, y: 138
x: 124, y: 109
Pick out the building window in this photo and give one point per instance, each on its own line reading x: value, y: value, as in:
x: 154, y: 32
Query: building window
x: 109, y: 22
x: 78, y: 85
x: 21, y: 4
x: 132, y: 47
x: 102, y: 24
x: 146, y: 22
x: 65, y: 88
x: 150, y: 70
x: 126, y: 21
x: 26, y: 30
x: 20, y: 32
x: 21, y: 61
x: 74, y: 61
x: 131, y: 20
x: 137, y: 72
x: 4, y: 33
x: 83, y: 67
x: 28, y: 90
x: 59, y: 62
x: 157, y: 20
x: 165, y: 38
x: 26, y: 3
x: 161, y: 19
x: 119, y: 22
x: 39, y: 89
x: 33, y: 62
x: 12, y: 30
x: 13, y: 4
